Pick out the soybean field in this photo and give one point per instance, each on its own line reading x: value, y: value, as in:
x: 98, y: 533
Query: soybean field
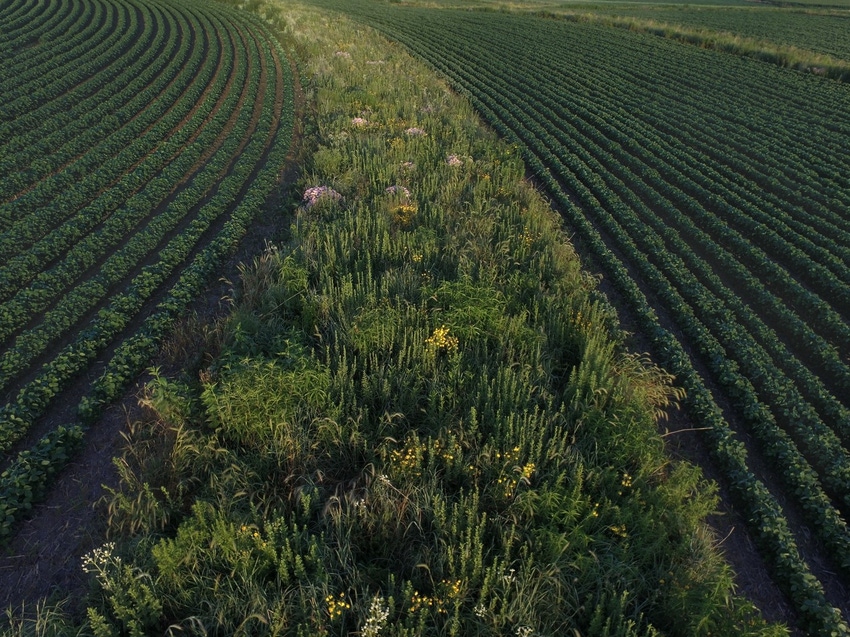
x: 712, y: 191
x: 137, y: 141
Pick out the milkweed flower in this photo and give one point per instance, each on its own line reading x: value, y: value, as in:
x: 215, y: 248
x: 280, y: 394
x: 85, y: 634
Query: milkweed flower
x: 454, y: 160
x: 398, y: 190
x: 359, y: 121
x: 314, y: 194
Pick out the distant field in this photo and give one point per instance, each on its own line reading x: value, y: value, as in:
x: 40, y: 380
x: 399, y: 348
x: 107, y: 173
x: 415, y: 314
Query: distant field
x: 712, y: 190
x: 137, y: 140
x: 825, y: 32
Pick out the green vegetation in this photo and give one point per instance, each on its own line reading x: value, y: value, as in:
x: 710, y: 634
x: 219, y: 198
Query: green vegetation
x: 137, y: 141
x: 419, y: 418
x: 690, y: 176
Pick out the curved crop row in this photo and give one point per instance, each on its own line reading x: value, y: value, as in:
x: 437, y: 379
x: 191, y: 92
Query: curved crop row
x: 155, y: 205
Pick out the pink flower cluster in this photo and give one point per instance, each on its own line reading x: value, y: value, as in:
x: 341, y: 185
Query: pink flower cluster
x: 314, y: 194
x: 453, y: 160
x: 414, y: 131
x: 398, y: 190
x: 359, y: 121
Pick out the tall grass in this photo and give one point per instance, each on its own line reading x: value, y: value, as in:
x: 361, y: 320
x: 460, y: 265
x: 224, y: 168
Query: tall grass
x: 421, y: 420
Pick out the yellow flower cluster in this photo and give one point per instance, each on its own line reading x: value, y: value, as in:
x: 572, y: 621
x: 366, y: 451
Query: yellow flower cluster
x: 450, y: 589
x: 337, y: 605
x: 419, y: 602
x: 407, y: 460
x: 582, y: 322
x: 527, y: 238
x: 447, y: 454
x: 619, y: 530
x: 441, y: 341
x: 403, y: 214
x: 520, y: 473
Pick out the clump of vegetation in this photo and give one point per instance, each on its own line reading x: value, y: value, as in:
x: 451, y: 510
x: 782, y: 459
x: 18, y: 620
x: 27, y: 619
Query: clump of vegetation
x: 417, y: 424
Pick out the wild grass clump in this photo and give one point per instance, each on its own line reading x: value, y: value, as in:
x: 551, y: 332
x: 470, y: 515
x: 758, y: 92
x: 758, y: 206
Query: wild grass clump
x: 421, y: 422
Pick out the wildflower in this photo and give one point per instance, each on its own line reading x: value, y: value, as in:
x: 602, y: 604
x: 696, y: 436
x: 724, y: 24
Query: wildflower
x: 441, y: 341
x: 619, y: 530
x: 337, y: 606
x: 479, y: 610
x: 398, y: 190
x: 343, y: 54
x: 371, y: 62
x: 414, y: 132
x: 314, y: 194
x: 454, y: 160
x: 407, y: 165
x: 377, y: 619
x: 359, y: 121
x: 403, y: 214
x: 524, y: 631
x: 105, y: 565
x: 509, y: 577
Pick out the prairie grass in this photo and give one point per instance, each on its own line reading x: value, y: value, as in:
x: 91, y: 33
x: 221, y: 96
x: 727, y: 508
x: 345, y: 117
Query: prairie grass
x: 418, y: 424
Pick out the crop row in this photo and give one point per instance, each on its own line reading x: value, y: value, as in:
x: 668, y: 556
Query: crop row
x: 144, y: 164
x: 100, y: 113
x: 35, y: 396
x: 55, y: 20
x: 206, y: 214
x: 78, y: 153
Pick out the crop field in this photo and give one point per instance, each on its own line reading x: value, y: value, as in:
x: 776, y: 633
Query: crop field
x: 712, y: 190
x: 422, y: 415
x: 137, y: 141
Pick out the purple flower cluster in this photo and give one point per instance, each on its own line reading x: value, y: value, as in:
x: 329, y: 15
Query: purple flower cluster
x: 314, y: 194
x: 398, y: 190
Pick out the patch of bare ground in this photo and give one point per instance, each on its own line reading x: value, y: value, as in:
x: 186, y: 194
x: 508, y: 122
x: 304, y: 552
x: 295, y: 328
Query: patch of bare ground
x: 43, y: 559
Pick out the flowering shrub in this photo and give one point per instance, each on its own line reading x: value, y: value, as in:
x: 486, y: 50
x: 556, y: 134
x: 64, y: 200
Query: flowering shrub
x: 314, y: 194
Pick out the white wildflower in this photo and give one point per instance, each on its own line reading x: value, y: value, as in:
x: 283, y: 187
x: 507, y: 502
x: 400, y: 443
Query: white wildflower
x: 377, y: 619
x: 414, y: 131
x: 454, y: 160
x: 359, y: 121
